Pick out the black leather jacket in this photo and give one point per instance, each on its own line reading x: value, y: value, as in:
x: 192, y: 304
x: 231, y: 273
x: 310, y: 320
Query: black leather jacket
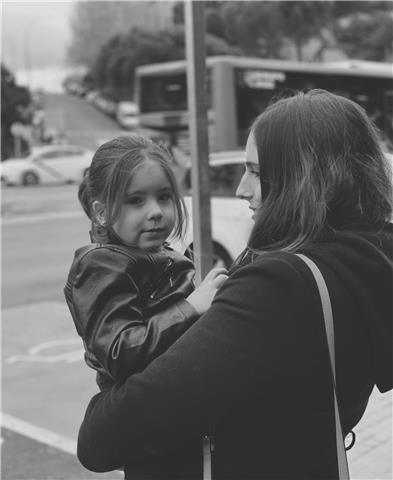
x: 128, y: 305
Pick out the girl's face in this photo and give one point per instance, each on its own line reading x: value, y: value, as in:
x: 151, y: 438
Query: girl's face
x: 250, y: 187
x: 148, y: 214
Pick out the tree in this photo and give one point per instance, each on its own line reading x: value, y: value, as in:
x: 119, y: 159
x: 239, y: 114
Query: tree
x: 303, y: 20
x: 253, y: 26
x: 120, y: 55
x: 93, y: 23
x: 366, y: 36
x: 15, y: 108
x: 348, y: 8
x: 259, y: 28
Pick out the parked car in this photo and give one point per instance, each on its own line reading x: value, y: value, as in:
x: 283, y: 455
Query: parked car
x: 230, y: 217
x: 127, y: 115
x: 47, y: 164
x: 105, y: 105
x: 91, y: 96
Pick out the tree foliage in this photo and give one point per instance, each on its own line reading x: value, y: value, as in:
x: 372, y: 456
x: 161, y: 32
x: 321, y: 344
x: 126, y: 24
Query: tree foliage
x: 260, y: 28
x: 301, y: 21
x: 119, y: 56
x: 367, y: 37
x: 93, y: 23
x: 15, y: 108
x: 263, y: 28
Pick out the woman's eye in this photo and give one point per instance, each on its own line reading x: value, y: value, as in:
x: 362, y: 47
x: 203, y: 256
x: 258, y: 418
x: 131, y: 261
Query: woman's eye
x: 253, y: 172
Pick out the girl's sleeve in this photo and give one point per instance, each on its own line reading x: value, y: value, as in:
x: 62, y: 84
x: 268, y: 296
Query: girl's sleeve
x: 106, y: 306
x: 230, y: 353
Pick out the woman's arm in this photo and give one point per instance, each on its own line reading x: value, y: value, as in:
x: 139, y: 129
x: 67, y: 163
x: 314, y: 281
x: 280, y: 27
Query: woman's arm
x: 106, y: 303
x: 233, y: 350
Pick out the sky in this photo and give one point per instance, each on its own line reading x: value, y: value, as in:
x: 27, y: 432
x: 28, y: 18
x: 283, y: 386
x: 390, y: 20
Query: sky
x: 35, y: 34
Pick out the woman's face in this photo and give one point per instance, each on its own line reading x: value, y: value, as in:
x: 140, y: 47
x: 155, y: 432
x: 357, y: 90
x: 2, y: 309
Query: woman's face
x: 250, y: 187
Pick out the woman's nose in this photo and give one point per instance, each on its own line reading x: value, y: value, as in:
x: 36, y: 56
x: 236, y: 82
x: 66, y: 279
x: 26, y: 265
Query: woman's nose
x: 243, y: 191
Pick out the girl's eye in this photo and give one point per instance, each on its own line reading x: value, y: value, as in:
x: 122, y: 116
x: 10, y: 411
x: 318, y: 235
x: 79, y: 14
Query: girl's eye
x: 255, y: 173
x: 134, y: 200
x: 165, y: 197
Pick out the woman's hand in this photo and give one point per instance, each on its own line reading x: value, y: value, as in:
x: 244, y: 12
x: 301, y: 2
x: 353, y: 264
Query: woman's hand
x: 202, y: 297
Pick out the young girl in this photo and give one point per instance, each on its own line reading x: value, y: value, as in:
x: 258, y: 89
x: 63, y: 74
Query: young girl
x: 130, y: 295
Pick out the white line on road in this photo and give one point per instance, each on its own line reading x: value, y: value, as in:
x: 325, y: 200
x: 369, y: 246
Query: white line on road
x: 43, y: 435
x: 38, y: 433
x: 23, y: 219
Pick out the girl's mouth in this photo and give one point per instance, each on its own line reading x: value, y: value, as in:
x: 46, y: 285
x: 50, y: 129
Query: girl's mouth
x: 154, y: 230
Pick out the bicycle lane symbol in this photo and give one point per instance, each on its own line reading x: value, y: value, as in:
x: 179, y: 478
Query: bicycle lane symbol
x: 48, y: 352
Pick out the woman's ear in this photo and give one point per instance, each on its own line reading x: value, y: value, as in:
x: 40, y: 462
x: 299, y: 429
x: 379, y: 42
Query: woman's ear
x: 99, y: 212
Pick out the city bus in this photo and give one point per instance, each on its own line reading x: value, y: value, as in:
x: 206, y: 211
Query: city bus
x: 239, y: 88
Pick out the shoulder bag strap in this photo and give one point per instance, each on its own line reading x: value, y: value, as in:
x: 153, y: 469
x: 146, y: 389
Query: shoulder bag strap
x: 343, y: 471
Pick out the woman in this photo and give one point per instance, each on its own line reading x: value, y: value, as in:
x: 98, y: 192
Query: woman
x: 253, y: 372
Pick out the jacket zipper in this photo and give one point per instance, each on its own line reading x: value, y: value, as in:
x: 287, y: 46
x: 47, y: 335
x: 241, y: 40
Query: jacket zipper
x: 168, y: 265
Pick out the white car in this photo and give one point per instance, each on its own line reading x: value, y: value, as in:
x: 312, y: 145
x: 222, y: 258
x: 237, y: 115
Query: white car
x: 47, y: 164
x: 231, y: 220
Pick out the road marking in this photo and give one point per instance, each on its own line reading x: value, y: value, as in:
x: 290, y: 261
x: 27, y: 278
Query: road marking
x: 23, y: 219
x: 42, y: 435
x: 39, y: 434
x: 33, y: 354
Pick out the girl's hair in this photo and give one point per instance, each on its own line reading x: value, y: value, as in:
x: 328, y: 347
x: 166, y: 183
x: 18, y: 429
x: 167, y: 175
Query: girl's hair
x: 112, y: 168
x: 321, y: 168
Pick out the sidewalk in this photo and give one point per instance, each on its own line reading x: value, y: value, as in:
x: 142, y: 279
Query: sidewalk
x: 371, y: 456
x: 24, y: 458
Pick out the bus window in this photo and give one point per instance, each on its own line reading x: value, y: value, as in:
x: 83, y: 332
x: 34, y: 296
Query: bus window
x: 254, y: 90
x: 164, y: 93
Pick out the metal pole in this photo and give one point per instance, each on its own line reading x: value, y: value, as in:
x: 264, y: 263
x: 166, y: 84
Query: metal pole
x: 197, y: 111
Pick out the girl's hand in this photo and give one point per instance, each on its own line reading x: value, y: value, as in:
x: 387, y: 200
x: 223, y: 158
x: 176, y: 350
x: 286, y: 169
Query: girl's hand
x: 202, y: 297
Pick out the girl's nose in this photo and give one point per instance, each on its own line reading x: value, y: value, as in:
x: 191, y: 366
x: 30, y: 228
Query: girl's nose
x: 243, y: 190
x: 155, y: 212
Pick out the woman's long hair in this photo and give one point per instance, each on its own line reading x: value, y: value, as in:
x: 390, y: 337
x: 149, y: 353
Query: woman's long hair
x: 321, y: 169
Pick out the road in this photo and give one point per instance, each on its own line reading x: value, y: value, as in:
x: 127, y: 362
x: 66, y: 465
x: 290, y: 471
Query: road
x: 79, y: 121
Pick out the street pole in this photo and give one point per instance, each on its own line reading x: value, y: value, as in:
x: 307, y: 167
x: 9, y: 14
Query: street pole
x: 197, y: 112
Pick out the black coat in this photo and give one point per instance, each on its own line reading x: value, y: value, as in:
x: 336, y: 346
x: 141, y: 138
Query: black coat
x: 254, y: 372
x: 128, y: 305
